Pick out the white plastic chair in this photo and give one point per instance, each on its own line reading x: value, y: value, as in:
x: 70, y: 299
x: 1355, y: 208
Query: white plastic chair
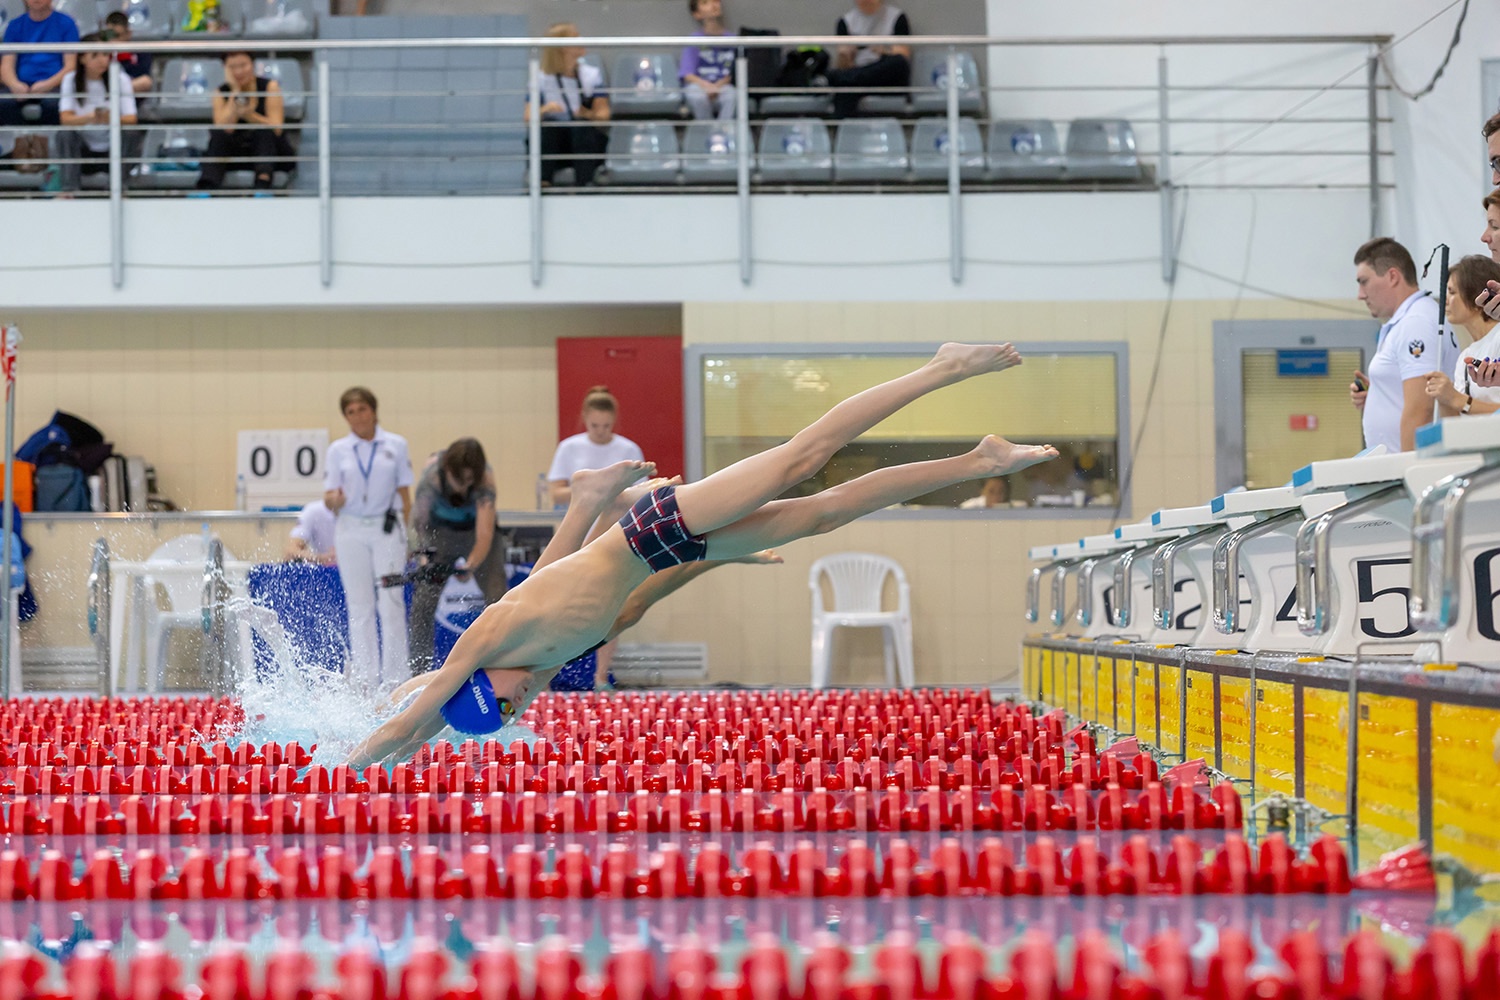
x: 179, y: 567
x: 858, y: 581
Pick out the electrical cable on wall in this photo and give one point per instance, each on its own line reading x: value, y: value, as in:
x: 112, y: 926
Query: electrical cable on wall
x: 1390, y: 74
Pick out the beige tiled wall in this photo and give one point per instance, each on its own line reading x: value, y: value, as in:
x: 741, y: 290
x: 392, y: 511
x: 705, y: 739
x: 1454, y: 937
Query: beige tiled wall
x: 176, y: 386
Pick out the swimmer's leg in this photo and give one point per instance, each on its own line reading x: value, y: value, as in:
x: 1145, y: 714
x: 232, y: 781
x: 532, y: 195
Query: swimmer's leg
x: 783, y: 521
x: 732, y: 493
x: 594, y: 491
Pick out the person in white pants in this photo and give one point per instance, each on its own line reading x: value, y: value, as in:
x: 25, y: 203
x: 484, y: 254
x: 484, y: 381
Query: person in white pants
x: 368, y: 485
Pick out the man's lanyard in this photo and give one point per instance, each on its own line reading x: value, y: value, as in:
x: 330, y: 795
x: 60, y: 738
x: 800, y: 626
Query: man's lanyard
x: 365, y: 470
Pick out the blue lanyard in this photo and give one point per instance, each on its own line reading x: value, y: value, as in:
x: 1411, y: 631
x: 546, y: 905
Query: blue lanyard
x: 365, y: 470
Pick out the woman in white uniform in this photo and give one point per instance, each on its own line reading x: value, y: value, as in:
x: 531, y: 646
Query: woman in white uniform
x: 368, y: 486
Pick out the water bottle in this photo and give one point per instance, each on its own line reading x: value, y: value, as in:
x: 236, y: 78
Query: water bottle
x: 941, y: 142
x: 137, y: 14
x: 719, y: 144
x: 645, y: 76
x: 196, y: 81
x: 240, y: 492
x: 543, y: 492
x: 794, y: 143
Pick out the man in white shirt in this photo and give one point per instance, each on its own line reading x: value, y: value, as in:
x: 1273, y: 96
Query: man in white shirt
x: 311, y: 539
x: 1393, y: 396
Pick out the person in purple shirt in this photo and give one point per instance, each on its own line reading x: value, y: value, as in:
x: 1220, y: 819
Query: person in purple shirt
x: 32, y: 80
x: 707, y: 72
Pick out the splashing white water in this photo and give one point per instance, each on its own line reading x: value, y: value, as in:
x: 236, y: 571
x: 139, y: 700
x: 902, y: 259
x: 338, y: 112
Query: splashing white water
x: 298, y: 701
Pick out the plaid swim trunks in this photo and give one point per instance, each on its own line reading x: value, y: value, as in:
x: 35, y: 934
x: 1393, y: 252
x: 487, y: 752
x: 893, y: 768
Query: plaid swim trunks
x: 655, y: 532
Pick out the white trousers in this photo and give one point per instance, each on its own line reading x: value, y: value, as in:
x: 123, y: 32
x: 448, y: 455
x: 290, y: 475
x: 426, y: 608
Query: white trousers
x: 365, y: 554
x: 702, y: 105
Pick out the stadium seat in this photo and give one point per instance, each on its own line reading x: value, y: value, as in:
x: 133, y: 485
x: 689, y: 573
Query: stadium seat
x: 1024, y: 150
x: 870, y: 149
x: 709, y: 153
x: 150, y: 20
x: 645, y: 85
x: 643, y: 153
x: 288, y: 73
x: 1101, y: 149
x: 187, y: 87
x: 930, y: 70
x: 171, y: 158
x: 795, y: 149
x: 929, y: 150
x: 280, y: 19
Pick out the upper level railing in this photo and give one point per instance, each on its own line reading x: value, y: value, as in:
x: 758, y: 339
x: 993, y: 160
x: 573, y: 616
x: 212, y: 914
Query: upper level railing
x: 450, y: 116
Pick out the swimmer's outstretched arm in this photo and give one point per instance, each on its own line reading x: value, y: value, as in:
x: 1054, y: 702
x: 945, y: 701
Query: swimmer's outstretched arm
x: 484, y: 643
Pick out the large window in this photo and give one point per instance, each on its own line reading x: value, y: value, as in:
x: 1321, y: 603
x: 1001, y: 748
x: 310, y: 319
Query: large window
x: 743, y: 399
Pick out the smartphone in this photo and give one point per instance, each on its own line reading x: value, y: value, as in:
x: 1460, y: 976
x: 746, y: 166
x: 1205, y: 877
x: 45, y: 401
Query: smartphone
x: 1360, y: 384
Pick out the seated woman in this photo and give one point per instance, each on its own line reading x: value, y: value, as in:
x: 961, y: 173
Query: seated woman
x: 569, y: 606
x: 83, y: 109
x: 249, y: 113
x: 573, y: 103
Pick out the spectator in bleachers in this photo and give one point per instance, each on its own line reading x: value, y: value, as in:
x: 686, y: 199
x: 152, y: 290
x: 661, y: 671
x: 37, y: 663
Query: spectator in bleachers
x: 707, y: 71
x: 84, y: 113
x: 248, y: 115
x: 34, y: 78
x: 311, y: 538
x: 573, y: 101
x: 869, y: 65
x: 1459, y: 395
x: 453, y: 520
x: 137, y: 65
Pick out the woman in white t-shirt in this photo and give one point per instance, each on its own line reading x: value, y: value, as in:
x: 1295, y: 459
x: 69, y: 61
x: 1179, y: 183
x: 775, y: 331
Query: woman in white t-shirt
x: 598, y: 447
x: 83, y: 109
x: 573, y: 100
x: 1459, y: 395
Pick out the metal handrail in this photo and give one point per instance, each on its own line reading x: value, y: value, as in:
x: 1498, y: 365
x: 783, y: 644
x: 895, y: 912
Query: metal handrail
x: 1060, y: 590
x: 1034, y: 595
x: 1314, y: 581
x: 206, y: 45
x: 1164, y: 573
x: 215, y: 595
x: 1226, y: 569
x: 1085, y: 614
x: 1124, y: 602
x: 1437, y: 542
x: 99, y: 607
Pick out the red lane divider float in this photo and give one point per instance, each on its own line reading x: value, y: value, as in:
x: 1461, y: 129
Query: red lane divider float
x: 805, y: 869
x: 897, y: 971
x: 502, y: 807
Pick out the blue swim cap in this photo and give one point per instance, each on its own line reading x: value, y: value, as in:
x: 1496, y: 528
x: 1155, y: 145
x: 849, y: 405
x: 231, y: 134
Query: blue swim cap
x: 473, y: 709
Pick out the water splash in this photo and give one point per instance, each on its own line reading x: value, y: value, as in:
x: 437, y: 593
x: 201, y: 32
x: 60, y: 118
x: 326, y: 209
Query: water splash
x: 295, y: 699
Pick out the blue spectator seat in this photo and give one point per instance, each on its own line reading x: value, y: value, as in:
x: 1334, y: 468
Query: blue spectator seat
x: 645, y: 85
x: 870, y: 149
x: 187, y: 87
x: 795, y: 149
x: 1025, y: 150
x: 643, y: 153
x: 929, y: 77
x: 1102, y: 149
x: 288, y: 73
x: 709, y: 153
x: 150, y: 20
x: 929, y: 150
x: 280, y: 19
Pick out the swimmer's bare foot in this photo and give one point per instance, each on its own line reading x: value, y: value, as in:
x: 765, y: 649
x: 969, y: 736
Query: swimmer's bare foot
x: 765, y: 557
x: 968, y: 360
x: 999, y: 457
x: 600, y: 486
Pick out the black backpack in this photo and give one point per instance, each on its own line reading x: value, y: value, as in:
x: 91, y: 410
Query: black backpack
x: 762, y: 65
x: 804, y: 68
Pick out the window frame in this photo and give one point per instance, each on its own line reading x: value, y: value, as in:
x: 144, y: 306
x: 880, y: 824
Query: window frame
x: 692, y: 424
